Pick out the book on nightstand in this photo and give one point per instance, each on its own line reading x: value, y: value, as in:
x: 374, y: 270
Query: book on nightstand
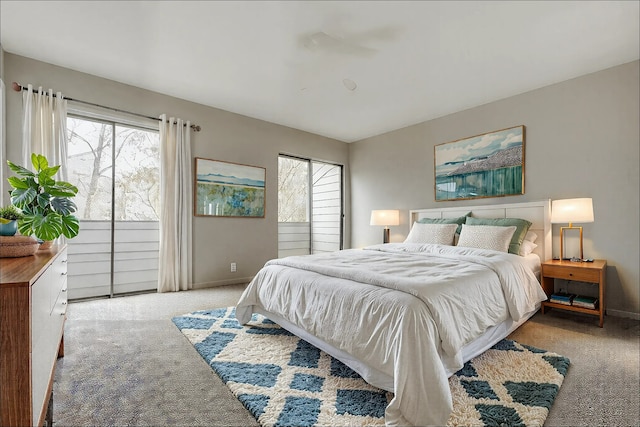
x: 585, y: 302
x: 562, y: 298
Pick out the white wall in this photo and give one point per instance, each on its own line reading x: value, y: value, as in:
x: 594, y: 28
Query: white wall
x: 582, y: 140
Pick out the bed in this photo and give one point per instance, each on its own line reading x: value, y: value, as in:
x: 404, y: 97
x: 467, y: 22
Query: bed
x: 406, y: 316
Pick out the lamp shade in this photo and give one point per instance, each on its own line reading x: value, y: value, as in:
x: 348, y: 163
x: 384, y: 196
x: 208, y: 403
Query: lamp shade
x: 385, y: 217
x: 572, y: 210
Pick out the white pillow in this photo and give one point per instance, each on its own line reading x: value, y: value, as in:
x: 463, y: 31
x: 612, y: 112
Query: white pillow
x: 492, y: 237
x: 439, y: 234
x: 527, y: 247
x: 531, y: 236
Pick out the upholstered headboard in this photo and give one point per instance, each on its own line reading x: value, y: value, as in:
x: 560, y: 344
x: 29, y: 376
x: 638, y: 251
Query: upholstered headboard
x: 539, y: 213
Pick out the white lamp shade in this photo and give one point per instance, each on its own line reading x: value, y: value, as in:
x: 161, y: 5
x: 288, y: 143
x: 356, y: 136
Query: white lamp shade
x: 385, y: 217
x: 572, y: 210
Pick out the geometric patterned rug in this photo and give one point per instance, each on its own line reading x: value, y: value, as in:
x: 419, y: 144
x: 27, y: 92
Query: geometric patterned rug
x: 285, y: 381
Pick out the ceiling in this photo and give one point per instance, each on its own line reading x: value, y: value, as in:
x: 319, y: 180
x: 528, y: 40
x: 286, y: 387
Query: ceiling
x: 346, y: 70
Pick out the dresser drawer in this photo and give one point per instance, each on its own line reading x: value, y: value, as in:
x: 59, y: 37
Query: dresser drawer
x: 60, y: 307
x: 41, y: 303
x: 59, y: 281
x: 569, y: 273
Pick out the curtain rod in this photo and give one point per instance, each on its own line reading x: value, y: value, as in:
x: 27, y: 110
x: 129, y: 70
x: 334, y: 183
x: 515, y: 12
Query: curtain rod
x: 18, y: 87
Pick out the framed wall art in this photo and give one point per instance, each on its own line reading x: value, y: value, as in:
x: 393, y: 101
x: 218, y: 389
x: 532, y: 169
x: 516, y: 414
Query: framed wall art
x: 487, y: 165
x: 228, y: 189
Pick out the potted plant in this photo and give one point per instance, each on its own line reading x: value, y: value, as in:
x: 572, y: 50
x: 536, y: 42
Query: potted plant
x: 9, y: 216
x: 45, y: 203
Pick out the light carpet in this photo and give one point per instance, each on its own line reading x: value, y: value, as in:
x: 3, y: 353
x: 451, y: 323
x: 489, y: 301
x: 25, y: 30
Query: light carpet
x: 285, y: 381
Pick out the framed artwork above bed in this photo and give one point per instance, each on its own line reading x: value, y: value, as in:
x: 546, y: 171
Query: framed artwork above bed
x: 487, y: 165
x: 228, y: 189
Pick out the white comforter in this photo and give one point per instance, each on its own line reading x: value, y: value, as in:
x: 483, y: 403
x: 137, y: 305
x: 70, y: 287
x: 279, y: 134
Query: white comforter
x: 405, y: 310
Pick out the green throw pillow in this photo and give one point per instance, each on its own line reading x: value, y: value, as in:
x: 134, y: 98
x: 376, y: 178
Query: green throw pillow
x: 459, y: 220
x: 522, y: 226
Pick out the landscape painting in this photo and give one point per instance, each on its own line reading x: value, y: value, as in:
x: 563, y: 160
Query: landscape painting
x: 487, y: 165
x: 229, y: 189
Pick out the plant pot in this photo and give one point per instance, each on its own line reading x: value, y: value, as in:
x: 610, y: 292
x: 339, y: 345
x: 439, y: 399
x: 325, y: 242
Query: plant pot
x: 9, y: 229
x: 46, y: 245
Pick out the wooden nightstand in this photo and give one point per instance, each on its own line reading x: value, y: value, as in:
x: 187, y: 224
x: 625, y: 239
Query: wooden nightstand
x: 591, y: 272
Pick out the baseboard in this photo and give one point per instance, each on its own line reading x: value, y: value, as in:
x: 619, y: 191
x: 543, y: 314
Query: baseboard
x: 234, y: 281
x: 625, y: 314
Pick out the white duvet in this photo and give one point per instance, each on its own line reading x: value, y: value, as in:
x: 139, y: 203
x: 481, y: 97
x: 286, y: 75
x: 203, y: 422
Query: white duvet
x: 404, y: 310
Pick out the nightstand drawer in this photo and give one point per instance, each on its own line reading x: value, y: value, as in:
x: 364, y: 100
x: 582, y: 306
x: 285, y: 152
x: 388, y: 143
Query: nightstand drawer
x: 568, y: 273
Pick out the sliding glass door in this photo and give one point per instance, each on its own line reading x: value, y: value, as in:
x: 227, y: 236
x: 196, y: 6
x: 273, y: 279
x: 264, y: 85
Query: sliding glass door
x: 310, y: 208
x: 326, y: 207
x: 116, y: 168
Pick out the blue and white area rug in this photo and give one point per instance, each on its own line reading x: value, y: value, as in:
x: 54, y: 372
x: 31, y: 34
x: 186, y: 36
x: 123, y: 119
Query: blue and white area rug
x: 285, y: 381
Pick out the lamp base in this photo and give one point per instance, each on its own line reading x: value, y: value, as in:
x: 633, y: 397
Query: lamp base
x: 385, y: 235
x: 570, y: 227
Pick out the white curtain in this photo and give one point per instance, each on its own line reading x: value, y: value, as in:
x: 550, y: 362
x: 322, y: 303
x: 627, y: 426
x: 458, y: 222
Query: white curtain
x: 175, y: 205
x: 44, y: 128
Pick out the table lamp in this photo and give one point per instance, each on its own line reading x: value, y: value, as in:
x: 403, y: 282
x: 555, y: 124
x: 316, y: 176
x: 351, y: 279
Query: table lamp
x: 570, y: 211
x: 385, y: 218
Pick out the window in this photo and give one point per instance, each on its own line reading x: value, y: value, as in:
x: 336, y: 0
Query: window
x: 293, y: 190
x: 108, y: 159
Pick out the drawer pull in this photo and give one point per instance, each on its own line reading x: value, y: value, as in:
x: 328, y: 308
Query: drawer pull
x: 63, y: 274
x: 64, y: 260
x: 64, y: 303
x: 64, y: 290
x: 571, y: 274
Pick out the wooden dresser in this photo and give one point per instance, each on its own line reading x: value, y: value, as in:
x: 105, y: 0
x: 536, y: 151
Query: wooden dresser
x: 33, y: 306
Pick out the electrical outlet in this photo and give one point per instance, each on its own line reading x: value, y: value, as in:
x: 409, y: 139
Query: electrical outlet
x: 233, y: 267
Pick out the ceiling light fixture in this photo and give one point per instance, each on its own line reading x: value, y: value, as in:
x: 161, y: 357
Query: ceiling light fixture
x: 349, y: 84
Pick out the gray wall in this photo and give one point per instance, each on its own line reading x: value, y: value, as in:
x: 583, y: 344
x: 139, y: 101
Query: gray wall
x: 3, y: 167
x: 224, y: 136
x: 1, y: 62
x: 582, y: 140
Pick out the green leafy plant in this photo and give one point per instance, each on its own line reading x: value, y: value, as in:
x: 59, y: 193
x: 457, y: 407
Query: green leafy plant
x: 9, y: 213
x: 45, y: 203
